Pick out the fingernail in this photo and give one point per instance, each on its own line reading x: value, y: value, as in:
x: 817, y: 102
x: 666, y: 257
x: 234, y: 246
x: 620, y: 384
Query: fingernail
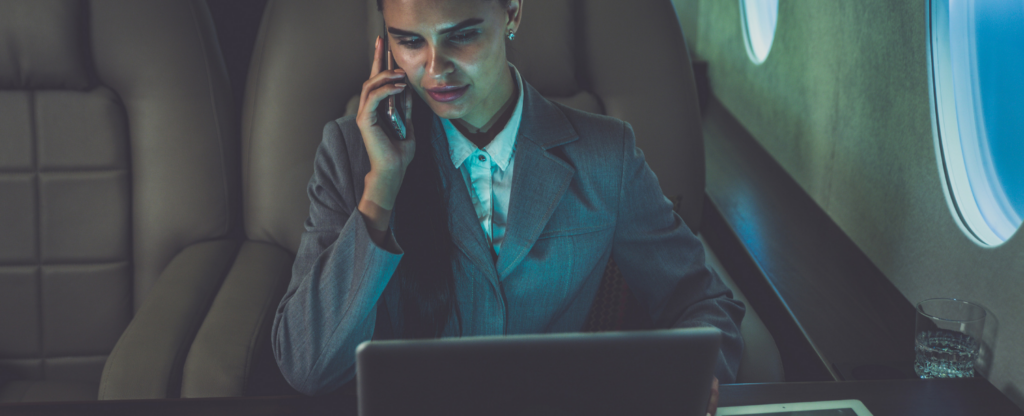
x: 376, y: 43
x: 400, y: 84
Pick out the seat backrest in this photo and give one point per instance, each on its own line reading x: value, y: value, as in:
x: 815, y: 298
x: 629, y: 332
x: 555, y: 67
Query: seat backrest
x: 611, y: 57
x: 116, y: 151
x: 603, y: 56
x: 627, y: 61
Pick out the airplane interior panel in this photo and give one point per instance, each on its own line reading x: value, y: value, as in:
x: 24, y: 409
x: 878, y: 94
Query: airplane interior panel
x: 206, y: 207
x: 844, y: 103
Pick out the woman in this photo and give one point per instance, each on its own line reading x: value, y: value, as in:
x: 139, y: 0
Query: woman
x: 431, y: 236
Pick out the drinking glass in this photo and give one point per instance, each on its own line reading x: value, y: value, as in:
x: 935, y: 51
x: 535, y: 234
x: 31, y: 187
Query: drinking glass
x: 948, y: 336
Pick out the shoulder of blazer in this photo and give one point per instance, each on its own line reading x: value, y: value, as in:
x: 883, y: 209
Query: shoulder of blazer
x: 351, y: 138
x: 592, y: 127
x: 350, y: 132
x: 601, y: 146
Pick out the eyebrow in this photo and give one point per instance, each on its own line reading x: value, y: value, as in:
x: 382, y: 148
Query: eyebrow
x: 463, y: 24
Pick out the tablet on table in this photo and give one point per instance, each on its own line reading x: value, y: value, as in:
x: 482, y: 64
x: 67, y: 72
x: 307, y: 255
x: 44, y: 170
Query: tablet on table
x: 823, y: 408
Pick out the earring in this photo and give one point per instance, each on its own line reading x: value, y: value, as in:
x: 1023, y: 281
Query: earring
x: 511, y: 35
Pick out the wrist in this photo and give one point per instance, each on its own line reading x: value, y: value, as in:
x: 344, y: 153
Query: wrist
x: 381, y: 188
x: 391, y: 175
x: 376, y: 217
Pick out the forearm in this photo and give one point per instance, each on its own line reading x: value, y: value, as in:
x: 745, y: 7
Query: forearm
x: 379, y: 193
x: 669, y: 276
x: 330, y: 307
x: 663, y: 261
x: 377, y: 220
x: 723, y: 313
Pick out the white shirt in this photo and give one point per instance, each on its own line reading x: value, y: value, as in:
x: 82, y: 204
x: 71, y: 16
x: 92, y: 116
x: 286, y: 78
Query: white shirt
x: 488, y: 171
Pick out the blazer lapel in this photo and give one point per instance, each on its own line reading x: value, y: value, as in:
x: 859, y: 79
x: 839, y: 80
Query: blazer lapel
x: 466, y: 230
x: 539, y: 178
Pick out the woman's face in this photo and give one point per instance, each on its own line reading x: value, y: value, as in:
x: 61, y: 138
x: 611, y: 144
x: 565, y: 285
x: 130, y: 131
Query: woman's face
x: 453, y: 52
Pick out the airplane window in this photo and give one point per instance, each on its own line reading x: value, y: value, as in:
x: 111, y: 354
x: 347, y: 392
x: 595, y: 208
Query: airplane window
x: 977, y: 52
x: 759, y: 20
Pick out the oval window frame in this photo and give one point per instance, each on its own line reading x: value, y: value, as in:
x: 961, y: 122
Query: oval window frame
x: 753, y: 52
x: 982, y: 212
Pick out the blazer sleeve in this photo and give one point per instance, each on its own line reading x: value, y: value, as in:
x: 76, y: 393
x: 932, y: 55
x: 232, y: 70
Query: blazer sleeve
x: 663, y: 262
x: 337, y: 279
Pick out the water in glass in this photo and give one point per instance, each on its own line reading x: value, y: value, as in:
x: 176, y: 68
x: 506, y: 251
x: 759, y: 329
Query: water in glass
x: 945, y: 354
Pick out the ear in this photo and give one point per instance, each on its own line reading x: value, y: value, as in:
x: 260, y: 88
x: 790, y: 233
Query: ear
x: 515, y: 15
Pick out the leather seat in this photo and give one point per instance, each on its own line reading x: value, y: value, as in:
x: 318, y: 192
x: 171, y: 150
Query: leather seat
x: 309, y: 63
x: 119, y: 206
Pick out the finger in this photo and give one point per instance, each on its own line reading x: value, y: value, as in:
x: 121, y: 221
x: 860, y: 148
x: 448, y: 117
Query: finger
x: 385, y: 77
x: 713, y: 402
x: 377, y: 81
x: 408, y: 115
x: 374, y: 69
x: 378, y: 95
x: 378, y: 51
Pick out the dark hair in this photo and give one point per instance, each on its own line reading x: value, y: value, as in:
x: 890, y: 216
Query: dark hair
x: 426, y: 273
x: 380, y: 4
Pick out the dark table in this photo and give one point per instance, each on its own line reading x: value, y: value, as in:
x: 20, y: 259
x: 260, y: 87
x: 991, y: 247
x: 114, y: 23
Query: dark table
x: 970, y: 397
x: 883, y: 398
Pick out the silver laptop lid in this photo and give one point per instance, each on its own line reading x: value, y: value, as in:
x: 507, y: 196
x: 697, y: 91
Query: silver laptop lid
x: 665, y: 372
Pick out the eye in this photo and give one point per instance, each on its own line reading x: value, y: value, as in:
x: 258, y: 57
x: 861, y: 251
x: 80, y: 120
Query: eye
x: 464, y: 36
x: 411, y: 43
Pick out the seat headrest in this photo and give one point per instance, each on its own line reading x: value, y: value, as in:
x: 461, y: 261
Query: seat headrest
x: 545, y: 52
x: 607, y: 57
x: 44, y: 44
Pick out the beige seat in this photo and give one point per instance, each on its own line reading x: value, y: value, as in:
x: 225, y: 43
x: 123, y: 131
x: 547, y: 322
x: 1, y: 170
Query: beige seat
x: 311, y: 58
x: 118, y: 194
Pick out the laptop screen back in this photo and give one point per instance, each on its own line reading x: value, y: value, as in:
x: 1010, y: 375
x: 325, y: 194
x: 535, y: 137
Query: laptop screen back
x: 665, y: 372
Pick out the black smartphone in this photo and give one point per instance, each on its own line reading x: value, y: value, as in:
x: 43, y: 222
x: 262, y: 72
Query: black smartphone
x: 390, y: 112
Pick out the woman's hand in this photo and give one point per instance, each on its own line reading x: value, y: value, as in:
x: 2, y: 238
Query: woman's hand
x: 388, y: 158
x: 713, y: 401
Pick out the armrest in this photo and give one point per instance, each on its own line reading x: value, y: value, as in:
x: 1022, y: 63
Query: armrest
x: 146, y: 362
x: 231, y: 354
x: 761, y: 362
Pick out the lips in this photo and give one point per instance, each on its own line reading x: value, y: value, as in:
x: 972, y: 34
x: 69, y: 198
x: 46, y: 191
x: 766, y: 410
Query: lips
x: 446, y: 94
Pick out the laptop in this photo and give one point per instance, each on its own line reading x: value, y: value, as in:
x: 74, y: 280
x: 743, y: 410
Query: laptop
x: 664, y: 372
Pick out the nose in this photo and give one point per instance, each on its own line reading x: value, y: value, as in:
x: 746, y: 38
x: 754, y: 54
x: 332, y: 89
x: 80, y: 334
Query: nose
x: 438, y: 64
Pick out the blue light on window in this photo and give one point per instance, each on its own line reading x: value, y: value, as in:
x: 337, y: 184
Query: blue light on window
x: 759, y: 19
x: 977, y: 71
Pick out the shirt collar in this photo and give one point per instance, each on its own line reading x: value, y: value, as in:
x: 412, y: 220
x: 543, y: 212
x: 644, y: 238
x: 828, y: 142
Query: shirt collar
x: 503, y: 144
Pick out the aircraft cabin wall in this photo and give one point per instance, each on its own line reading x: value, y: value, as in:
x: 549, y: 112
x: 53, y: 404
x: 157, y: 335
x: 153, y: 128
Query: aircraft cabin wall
x: 842, y: 102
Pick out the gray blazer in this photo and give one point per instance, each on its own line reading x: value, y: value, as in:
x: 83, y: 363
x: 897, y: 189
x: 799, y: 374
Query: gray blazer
x: 581, y: 192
